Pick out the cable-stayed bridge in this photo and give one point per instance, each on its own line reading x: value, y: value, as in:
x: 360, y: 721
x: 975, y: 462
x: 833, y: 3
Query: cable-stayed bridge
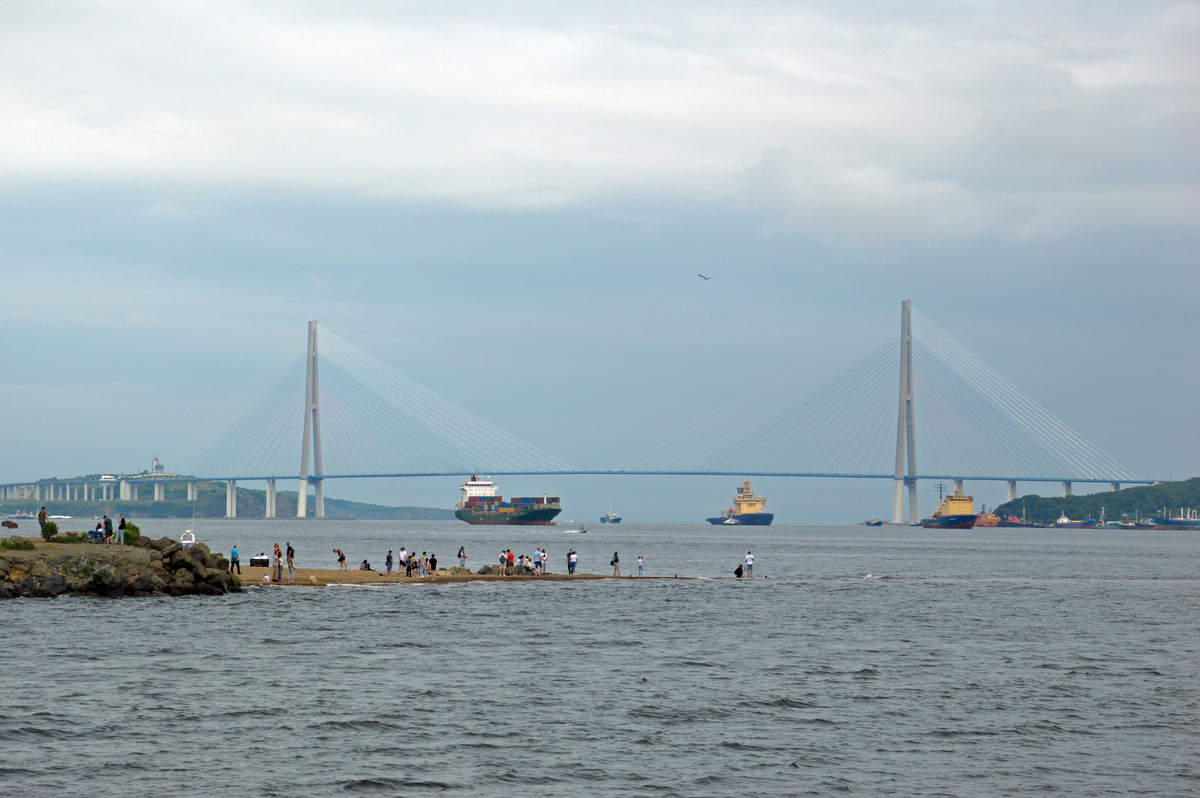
x: 356, y: 417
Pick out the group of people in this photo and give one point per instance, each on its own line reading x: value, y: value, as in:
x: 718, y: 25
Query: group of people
x: 277, y: 560
x: 511, y: 564
x: 104, y: 530
x: 409, y: 563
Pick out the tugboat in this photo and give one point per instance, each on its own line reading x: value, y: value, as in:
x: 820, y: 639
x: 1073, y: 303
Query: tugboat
x: 610, y: 517
x: 480, y: 505
x: 874, y: 522
x: 987, y: 519
x: 747, y: 509
x: 956, y: 511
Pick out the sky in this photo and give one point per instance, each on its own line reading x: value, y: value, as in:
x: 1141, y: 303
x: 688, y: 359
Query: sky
x: 510, y: 204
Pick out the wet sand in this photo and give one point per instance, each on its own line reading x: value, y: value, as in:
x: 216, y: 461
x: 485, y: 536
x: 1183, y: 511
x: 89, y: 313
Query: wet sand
x: 332, y: 576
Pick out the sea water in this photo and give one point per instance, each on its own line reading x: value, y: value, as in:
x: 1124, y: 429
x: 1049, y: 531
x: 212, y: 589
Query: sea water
x: 980, y: 662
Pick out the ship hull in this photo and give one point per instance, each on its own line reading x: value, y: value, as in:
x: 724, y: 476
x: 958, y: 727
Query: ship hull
x: 745, y: 519
x: 1075, y: 525
x: 949, y: 522
x: 478, y: 516
x: 607, y: 520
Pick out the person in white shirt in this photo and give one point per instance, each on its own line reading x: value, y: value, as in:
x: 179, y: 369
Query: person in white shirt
x: 641, y: 562
x: 749, y: 565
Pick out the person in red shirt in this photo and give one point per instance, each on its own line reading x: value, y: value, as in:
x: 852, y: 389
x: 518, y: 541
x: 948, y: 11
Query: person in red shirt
x: 511, y: 558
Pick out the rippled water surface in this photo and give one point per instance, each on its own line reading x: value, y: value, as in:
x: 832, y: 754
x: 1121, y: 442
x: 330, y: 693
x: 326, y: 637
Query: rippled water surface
x: 1001, y: 662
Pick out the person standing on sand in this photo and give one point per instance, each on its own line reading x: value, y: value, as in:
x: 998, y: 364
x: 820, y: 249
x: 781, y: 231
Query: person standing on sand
x: 641, y: 562
x: 749, y: 565
x: 121, y: 531
x: 276, y: 564
x: 291, y: 569
x: 341, y: 559
x: 388, y: 562
x: 42, y: 517
x: 537, y: 562
x: 462, y: 556
x: 512, y: 558
x: 108, y: 530
x: 616, y: 564
x: 574, y: 560
x: 433, y: 564
x: 234, y: 561
x: 545, y: 562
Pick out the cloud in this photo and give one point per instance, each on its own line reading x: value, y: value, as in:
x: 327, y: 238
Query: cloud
x: 923, y: 125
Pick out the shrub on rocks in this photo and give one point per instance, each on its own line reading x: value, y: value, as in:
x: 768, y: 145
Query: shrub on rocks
x: 15, y: 543
x: 49, y: 530
x: 132, y: 533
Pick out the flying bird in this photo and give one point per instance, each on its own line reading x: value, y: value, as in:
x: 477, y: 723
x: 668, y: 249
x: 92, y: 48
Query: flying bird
x: 706, y: 278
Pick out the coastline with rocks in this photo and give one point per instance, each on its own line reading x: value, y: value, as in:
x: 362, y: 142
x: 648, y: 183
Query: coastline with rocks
x: 150, y: 567
x: 166, y: 567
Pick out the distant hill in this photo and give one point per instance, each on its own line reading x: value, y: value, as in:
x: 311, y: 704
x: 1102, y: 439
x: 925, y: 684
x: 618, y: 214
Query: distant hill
x: 1137, y: 502
x: 210, y: 503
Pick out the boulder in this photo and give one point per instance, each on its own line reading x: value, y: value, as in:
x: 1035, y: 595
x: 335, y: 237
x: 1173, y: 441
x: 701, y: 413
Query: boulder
x: 107, y: 578
x: 487, y: 570
x: 55, y: 583
x: 171, y: 548
x: 6, y: 591
x: 220, y: 563
x: 39, y: 569
x: 4, y: 568
x: 182, y: 576
x: 143, y: 582
x: 205, y: 589
x: 458, y: 570
x: 41, y: 592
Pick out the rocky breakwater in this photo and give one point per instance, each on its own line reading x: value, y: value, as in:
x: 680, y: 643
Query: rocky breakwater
x: 152, y: 567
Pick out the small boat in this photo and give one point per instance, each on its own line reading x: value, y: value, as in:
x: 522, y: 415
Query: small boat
x: 730, y: 521
x: 874, y: 522
x: 610, y: 517
x: 582, y: 529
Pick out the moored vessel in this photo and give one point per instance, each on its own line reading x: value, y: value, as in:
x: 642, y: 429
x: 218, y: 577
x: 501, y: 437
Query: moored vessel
x: 956, y: 511
x: 610, y: 517
x: 480, y: 505
x: 986, y: 519
x: 1066, y: 523
x: 874, y: 522
x: 747, y: 509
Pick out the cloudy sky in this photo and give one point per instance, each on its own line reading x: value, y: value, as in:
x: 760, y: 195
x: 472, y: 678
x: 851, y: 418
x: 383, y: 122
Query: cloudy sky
x: 184, y: 185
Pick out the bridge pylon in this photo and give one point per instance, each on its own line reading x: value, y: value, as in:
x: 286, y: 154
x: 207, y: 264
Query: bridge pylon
x: 312, y: 433
x: 906, y: 430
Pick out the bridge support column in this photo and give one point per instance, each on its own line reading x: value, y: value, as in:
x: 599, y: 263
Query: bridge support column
x: 958, y: 486
x: 231, y: 499
x: 37, y: 492
x: 133, y: 491
x: 906, y: 428
x: 1066, y: 489
x: 159, y: 491
x: 270, y: 509
x: 192, y: 492
x: 124, y: 491
x: 319, y: 503
x: 1116, y: 486
x: 312, y: 430
x: 1012, y: 490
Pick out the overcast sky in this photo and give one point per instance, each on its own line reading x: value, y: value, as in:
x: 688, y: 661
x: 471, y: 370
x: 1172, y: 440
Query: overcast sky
x: 183, y: 185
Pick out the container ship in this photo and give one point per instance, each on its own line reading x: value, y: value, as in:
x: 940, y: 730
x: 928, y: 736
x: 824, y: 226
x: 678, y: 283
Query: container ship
x: 480, y: 505
x: 747, y: 509
x: 955, y: 512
